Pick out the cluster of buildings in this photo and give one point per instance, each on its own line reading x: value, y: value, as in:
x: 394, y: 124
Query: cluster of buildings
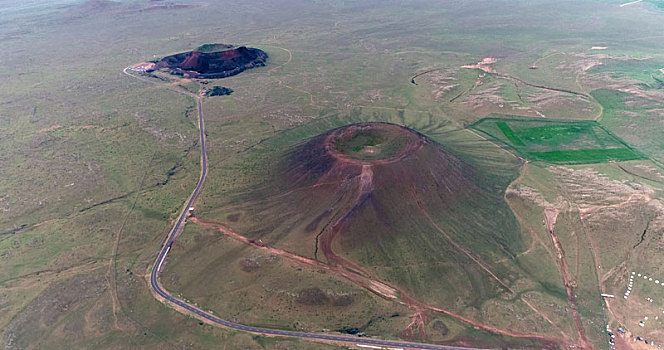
x: 632, y: 277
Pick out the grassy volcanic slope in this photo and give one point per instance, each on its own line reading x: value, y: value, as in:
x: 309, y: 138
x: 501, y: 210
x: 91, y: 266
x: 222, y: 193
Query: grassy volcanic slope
x: 390, y: 204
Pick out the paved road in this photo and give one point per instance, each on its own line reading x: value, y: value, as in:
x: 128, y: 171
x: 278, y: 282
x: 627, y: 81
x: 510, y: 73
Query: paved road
x: 172, y: 234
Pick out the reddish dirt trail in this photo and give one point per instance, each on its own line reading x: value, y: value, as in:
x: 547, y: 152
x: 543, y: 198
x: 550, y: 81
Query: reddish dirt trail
x: 598, y: 263
x: 379, y: 288
x: 365, y: 188
x: 623, y: 342
x: 418, y: 321
x: 550, y: 216
x: 633, y: 198
x: 536, y: 238
x: 363, y: 185
x: 484, y: 267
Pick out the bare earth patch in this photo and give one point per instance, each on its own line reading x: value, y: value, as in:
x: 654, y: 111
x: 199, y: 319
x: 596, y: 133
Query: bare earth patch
x: 143, y: 67
x: 483, y: 65
x: 582, y: 62
x: 551, y: 211
x: 593, y: 191
x: 441, y: 80
x: 51, y: 128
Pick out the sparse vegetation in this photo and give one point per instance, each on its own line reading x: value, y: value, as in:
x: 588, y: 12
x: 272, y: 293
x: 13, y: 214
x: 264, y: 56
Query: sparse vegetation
x: 93, y: 160
x: 219, y: 91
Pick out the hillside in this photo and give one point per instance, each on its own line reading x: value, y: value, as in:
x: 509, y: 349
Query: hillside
x: 531, y: 183
x: 394, y: 212
x: 381, y: 195
x: 212, y: 61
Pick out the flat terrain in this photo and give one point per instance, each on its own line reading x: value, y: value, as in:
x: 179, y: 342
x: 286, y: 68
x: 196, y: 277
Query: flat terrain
x: 546, y: 189
x: 558, y: 141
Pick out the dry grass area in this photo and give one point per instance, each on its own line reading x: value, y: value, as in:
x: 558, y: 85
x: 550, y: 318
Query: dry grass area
x: 91, y: 157
x: 442, y: 80
x: 484, y: 65
x: 618, y: 219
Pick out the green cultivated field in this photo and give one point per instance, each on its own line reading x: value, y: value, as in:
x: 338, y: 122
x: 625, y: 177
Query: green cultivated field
x: 558, y: 141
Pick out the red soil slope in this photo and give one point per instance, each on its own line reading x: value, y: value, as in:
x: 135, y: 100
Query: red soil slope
x: 219, y: 64
x: 384, y: 203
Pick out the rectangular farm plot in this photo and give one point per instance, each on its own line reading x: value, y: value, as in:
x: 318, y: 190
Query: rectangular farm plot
x: 509, y: 133
x: 557, y: 141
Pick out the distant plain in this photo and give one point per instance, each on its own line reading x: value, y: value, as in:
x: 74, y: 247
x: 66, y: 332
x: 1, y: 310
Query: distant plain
x: 96, y: 165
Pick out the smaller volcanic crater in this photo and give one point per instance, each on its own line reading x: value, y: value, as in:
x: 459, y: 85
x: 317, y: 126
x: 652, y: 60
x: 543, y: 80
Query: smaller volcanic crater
x: 213, y: 61
x: 372, y: 143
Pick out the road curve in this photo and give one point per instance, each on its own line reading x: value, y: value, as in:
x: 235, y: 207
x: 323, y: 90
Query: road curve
x: 165, y: 296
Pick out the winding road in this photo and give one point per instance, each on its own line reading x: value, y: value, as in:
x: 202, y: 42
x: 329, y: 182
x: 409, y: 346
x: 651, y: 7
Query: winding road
x: 164, y: 296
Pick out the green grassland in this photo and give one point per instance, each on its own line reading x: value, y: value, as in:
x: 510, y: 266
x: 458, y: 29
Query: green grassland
x: 276, y: 302
x: 383, y: 146
x: 90, y: 157
x: 644, y: 70
x: 633, y: 118
x: 557, y: 141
